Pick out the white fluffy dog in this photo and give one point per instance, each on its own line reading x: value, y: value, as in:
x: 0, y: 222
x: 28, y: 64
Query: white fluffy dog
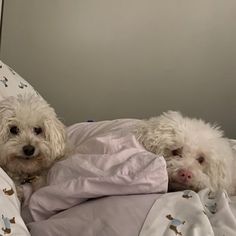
x: 196, y: 153
x: 31, y: 139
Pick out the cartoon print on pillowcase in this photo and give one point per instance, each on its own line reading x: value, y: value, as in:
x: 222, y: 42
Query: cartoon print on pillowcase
x: 4, y: 81
x: 8, y: 192
x: 174, y: 224
x: 210, y: 204
x: 211, y: 195
x: 5, y: 220
x: 7, y: 224
x: 187, y: 194
x: 12, y: 84
x: 22, y: 85
x: 212, y: 208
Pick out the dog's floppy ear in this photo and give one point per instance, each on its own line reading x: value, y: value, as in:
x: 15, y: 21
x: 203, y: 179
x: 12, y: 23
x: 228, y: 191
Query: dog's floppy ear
x: 158, y: 133
x: 56, y: 135
x: 219, y: 175
x: 220, y: 166
x: 6, y: 111
x: 3, y: 126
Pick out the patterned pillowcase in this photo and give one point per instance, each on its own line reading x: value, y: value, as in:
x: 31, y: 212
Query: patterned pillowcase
x: 12, y: 84
x: 11, y: 222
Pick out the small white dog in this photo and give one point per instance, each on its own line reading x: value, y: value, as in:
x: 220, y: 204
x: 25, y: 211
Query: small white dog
x: 196, y: 153
x: 31, y: 139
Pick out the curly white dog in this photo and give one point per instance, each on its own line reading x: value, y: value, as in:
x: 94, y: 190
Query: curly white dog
x: 196, y: 153
x: 31, y: 139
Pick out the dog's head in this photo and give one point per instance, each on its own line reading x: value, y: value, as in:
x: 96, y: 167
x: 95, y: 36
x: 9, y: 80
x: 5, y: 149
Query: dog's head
x: 196, y: 153
x: 31, y: 136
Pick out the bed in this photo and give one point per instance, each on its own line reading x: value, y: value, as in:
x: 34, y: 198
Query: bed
x: 110, y: 186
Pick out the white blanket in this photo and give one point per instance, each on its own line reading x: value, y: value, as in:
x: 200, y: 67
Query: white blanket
x: 107, y: 161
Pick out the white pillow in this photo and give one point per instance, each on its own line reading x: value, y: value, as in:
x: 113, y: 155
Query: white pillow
x: 11, y: 222
x: 12, y: 84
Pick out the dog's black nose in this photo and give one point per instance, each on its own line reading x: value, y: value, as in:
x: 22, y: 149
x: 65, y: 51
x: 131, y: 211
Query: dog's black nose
x: 28, y: 150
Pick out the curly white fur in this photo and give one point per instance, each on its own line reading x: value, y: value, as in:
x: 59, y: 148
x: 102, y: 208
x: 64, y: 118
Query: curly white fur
x: 196, y: 153
x: 31, y: 138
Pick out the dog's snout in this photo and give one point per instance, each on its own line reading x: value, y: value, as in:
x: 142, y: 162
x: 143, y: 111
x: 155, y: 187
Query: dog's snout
x: 28, y: 150
x: 184, y: 175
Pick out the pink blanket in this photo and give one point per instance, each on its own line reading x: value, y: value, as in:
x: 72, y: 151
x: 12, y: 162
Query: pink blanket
x: 107, y: 161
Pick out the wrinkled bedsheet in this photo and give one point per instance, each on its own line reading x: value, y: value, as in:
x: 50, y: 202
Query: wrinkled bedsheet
x: 107, y: 161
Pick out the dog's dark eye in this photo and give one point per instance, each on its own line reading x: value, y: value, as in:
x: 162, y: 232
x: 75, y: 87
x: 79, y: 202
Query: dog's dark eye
x: 38, y: 130
x: 14, y: 130
x: 177, y: 152
x: 201, y: 160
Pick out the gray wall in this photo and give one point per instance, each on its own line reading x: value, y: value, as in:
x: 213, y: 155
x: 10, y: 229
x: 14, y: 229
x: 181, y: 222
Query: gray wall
x: 107, y: 59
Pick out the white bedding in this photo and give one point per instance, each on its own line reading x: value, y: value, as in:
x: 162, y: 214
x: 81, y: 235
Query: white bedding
x: 11, y: 222
x: 109, y: 162
x: 191, y: 214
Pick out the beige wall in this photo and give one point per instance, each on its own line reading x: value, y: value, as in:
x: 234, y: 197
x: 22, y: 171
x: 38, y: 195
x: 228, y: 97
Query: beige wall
x: 106, y: 59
